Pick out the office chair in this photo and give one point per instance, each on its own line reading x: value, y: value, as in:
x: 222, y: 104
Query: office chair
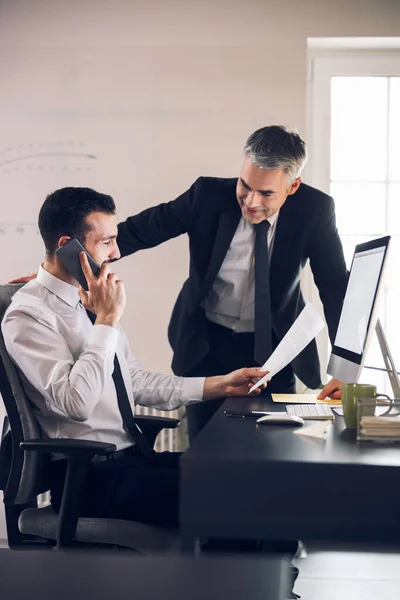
x: 24, y: 460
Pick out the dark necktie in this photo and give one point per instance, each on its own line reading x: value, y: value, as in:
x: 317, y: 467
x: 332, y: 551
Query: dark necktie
x: 124, y: 406
x: 262, y: 302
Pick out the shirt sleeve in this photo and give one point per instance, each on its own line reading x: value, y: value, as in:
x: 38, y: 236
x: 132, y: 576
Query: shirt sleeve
x: 71, y: 387
x: 158, y: 224
x: 157, y: 390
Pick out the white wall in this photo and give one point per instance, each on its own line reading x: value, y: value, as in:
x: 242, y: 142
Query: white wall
x: 160, y: 91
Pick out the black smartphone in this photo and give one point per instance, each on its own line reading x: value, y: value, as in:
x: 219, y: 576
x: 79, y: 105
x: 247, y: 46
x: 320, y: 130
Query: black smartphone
x: 69, y: 256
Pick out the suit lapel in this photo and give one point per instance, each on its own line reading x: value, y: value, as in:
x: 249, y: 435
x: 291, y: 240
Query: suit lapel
x: 227, y: 225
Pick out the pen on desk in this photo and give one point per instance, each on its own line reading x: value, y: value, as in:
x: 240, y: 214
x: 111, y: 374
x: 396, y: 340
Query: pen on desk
x: 240, y: 415
x: 243, y: 415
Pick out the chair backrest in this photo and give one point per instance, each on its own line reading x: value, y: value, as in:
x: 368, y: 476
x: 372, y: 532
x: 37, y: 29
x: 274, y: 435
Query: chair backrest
x: 26, y: 474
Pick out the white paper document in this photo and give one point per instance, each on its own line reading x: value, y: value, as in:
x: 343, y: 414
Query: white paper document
x: 307, y: 325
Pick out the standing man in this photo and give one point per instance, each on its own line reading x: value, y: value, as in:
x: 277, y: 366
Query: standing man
x: 250, y: 238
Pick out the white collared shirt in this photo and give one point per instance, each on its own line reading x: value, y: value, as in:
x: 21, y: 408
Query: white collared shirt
x: 66, y: 365
x: 230, y: 302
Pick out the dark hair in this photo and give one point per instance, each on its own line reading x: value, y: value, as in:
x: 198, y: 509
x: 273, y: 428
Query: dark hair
x: 275, y: 147
x: 64, y: 212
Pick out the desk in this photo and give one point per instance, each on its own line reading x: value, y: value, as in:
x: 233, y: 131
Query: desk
x: 243, y: 480
x: 48, y: 575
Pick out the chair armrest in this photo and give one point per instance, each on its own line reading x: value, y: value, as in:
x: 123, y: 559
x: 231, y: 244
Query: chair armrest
x: 152, y: 425
x: 69, y: 447
x: 161, y: 422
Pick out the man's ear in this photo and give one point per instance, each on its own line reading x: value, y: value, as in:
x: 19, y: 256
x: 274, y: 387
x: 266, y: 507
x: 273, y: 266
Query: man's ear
x: 63, y: 240
x: 294, y: 186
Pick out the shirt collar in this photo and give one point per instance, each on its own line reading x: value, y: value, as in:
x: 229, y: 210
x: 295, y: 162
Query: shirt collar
x: 63, y: 290
x: 272, y: 220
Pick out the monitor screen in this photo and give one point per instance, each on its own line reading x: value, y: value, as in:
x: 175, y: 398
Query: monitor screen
x: 358, y: 315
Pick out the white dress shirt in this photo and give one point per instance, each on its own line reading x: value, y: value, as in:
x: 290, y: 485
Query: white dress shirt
x: 66, y: 365
x: 230, y: 302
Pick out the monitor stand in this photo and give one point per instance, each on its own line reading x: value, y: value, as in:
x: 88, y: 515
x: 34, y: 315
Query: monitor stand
x: 388, y: 360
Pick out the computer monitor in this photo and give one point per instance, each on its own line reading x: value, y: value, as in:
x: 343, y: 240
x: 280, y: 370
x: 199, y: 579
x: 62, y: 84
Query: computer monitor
x: 359, y: 312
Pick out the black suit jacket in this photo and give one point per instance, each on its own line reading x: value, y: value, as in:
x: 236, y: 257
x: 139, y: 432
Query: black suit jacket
x: 209, y: 213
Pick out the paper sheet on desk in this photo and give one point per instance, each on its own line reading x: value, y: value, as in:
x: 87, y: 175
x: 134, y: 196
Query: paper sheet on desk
x: 304, y: 329
x: 318, y: 430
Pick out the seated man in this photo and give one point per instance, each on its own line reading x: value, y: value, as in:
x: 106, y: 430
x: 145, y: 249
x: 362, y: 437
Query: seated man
x: 70, y: 373
x: 75, y: 372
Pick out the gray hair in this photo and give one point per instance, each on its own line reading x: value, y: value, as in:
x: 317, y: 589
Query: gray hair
x: 275, y: 147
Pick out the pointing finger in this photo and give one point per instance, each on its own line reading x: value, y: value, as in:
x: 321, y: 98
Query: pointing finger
x: 104, y: 270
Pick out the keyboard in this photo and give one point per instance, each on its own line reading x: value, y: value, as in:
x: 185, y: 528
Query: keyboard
x: 320, y: 412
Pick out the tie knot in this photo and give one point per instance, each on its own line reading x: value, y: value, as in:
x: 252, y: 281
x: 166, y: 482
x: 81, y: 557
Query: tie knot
x: 262, y: 228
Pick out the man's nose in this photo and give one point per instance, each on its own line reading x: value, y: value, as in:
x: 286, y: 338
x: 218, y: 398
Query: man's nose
x: 251, y: 200
x: 116, y: 254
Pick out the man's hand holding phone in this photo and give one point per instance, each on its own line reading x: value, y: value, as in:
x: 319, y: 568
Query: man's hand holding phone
x: 106, y: 295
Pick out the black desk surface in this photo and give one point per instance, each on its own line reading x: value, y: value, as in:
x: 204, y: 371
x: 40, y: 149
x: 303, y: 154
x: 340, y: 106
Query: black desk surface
x: 235, y: 439
x: 245, y: 478
x: 47, y: 575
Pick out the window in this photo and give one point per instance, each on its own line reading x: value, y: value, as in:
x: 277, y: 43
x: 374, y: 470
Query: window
x: 355, y: 156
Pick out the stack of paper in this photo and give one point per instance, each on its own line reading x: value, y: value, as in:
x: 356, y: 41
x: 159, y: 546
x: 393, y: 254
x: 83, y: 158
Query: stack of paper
x: 380, y: 427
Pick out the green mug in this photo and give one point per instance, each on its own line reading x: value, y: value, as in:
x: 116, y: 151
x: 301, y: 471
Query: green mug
x: 350, y: 393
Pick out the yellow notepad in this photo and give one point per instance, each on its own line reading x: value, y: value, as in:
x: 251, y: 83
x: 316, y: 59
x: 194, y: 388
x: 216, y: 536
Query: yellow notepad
x: 302, y: 399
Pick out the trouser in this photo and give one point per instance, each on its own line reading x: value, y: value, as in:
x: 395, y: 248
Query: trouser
x: 229, y: 351
x: 130, y: 487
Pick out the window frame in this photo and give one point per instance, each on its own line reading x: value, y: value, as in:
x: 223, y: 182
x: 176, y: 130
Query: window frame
x: 325, y: 62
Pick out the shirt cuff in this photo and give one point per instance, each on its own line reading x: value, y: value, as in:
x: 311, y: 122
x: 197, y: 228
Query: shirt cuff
x: 193, y: 388
x: 104, y: 336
